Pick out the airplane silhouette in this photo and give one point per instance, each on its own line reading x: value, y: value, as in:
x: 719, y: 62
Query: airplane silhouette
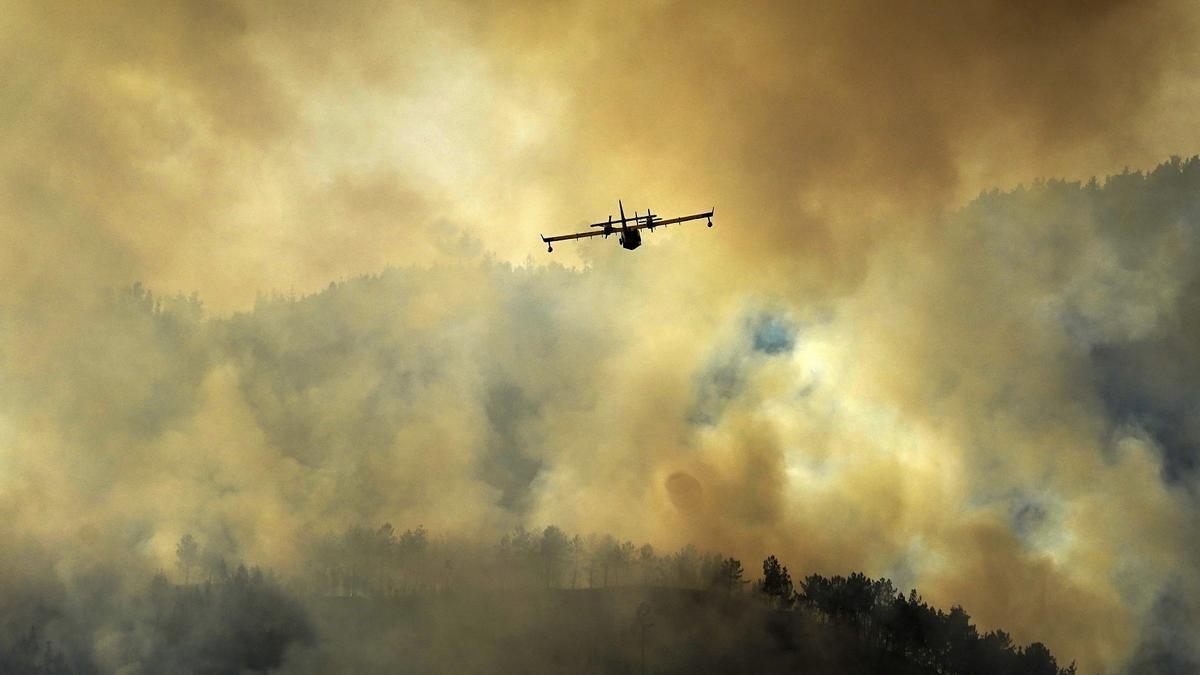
x: 627, y: 228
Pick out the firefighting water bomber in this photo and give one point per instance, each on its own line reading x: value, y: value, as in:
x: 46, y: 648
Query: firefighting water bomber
x: 627, y: 229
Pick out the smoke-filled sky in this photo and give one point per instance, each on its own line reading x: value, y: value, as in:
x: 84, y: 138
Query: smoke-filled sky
x: 865, y: 365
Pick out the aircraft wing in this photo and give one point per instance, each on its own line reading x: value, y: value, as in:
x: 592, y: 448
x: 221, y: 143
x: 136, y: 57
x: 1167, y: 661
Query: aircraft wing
x: 577, y: 235
x: 670, y: 221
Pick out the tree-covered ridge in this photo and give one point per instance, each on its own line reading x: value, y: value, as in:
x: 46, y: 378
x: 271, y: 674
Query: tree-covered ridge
x: 219, y: 618
x: 888, y: 630
x: 907, y: 635
x: 336, y: 381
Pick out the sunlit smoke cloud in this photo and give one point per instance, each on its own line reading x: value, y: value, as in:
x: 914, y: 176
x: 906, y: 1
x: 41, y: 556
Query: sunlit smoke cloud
x: 852, y: 370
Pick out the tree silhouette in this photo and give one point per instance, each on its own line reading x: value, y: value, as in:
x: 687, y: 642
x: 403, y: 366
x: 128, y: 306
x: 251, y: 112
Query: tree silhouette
x: 382, y: 552
x: 729, y: 575
x: 575, y: 551
x: 626, y: 554
x: 605, y: 554
x: 553, y: 548
x: 1037, y: 660
x: 213, y: 564
x: 684, y: 566
x: 777, y: 583
x: 187, y: 554
x: 646, y: 562
x: 410, y: 547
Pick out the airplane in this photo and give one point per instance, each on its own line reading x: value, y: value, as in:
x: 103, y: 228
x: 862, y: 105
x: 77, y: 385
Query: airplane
x: 627, y: 228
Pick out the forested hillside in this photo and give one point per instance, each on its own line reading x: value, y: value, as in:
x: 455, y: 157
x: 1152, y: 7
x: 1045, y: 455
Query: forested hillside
x: 474, y: 402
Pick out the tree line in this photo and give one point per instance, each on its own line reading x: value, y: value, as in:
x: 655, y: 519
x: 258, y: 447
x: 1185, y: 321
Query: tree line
x: 901, y: 631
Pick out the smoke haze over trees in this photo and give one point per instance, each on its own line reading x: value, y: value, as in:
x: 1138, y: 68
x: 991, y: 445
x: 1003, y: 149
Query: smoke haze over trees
x: 374, y: 600
x: 269, y: 277
x: 1004, y: 419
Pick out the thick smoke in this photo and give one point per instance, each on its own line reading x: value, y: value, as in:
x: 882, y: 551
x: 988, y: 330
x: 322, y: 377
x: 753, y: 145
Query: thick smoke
x: 853, y: 370
x: 967, y: 439
x: 237, y: 148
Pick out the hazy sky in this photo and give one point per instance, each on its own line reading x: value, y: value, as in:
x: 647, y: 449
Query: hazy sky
x: 847, y: 370
x: 231, y: 149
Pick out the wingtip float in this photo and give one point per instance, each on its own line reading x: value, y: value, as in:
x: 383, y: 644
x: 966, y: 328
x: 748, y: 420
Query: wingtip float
x: 627, y: 229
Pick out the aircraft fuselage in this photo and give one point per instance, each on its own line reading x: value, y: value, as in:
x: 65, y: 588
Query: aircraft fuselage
x: 631, y: 239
